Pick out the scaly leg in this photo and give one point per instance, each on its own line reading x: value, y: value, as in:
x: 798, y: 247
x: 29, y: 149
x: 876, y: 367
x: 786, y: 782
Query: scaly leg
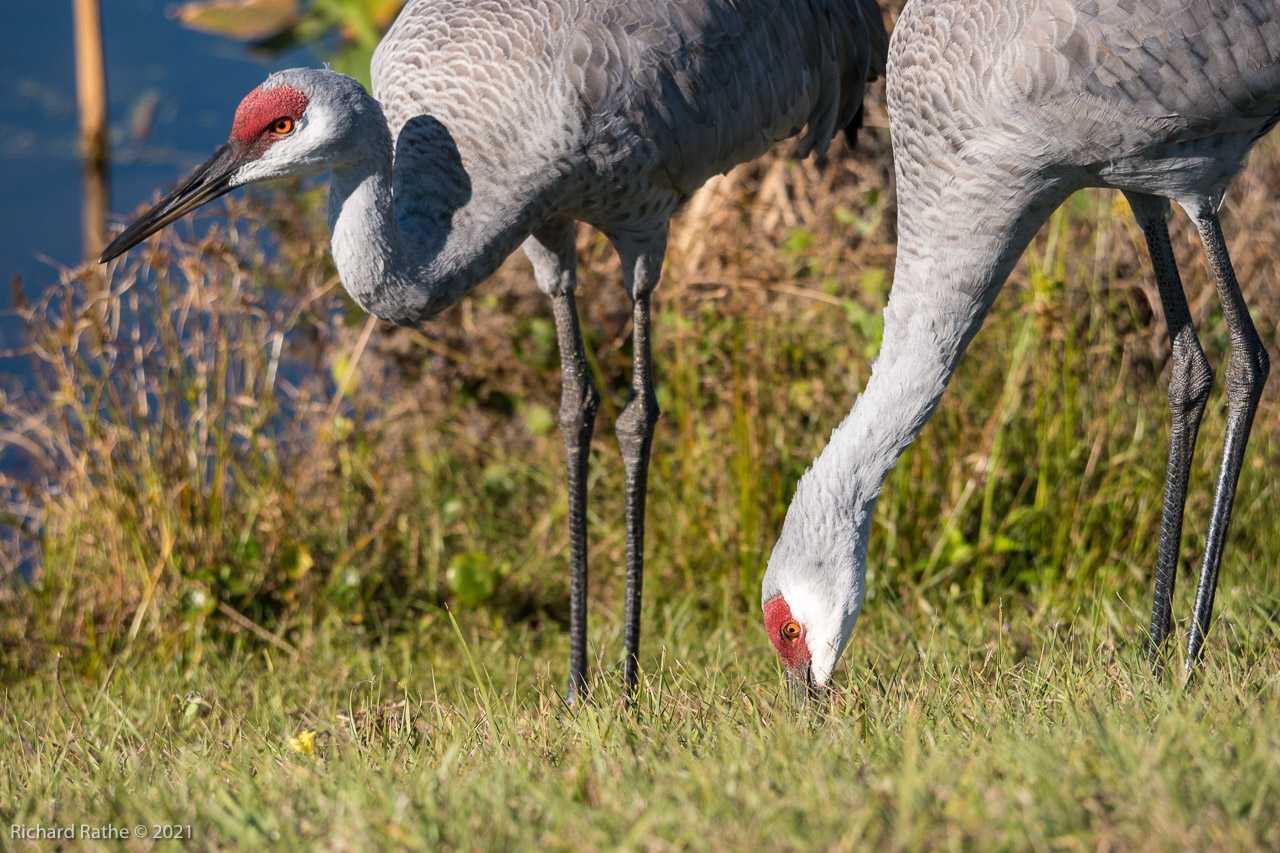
x: 1190, y: 382
x: 555, y: 264
x: 1246, y: 375
x: 641, y: 268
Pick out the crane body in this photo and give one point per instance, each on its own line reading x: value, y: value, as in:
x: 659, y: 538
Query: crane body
x: 999, y: 110
x: 496, y: 124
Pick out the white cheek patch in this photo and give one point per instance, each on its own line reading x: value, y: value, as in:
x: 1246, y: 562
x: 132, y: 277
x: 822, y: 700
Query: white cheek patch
x: 828, y: 623
x: 307, y: 151
x: 266, y: 167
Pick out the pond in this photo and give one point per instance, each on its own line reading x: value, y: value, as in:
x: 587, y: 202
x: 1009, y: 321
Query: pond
x: 172, y: 94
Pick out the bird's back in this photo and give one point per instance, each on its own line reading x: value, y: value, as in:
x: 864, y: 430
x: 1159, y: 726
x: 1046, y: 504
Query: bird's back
x: 1089, y: 82
x: 619, y: 93
x: 1196, y: 65
x: 712, y: 84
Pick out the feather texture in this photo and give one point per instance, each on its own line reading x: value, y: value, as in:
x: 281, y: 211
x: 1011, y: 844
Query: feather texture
x: 614, y: 112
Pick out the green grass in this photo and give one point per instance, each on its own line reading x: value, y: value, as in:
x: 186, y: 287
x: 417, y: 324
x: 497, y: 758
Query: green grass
x: 386, y: 566
x: 962, y: 733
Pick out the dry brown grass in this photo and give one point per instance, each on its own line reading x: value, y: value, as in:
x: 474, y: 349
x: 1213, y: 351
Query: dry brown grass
x: 192, y: 467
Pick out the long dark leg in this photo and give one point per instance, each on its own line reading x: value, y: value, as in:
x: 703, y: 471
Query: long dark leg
x: 555, y: 264
x: 1245, y: 377
x: 578, y: 403
x: 635, y: 434
x: 1190, y: 381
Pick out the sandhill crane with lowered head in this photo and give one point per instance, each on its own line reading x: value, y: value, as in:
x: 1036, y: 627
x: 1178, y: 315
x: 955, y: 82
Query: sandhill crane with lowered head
x: 497, y: 124
x: 999, y: 110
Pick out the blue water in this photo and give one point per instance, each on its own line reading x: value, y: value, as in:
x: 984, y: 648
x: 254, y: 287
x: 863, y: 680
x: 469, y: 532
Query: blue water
x: 195, y: 81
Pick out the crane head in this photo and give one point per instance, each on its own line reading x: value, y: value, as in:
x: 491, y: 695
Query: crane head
x: 809, y: 633
x: 298, y: 123
x: 812, y: 591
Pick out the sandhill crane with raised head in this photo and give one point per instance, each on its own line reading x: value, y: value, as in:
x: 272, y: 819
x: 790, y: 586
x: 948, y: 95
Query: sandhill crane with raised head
x: 497, y: 124
x: 999, y: 110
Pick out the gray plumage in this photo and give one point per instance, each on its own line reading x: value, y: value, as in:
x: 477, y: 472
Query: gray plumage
x: 506, y: 115
x: 499, y: 123
x: 512, y: 120
x: 999, y: 110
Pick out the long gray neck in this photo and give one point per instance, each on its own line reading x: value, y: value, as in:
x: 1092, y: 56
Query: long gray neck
x: 829, y: 518
x: 408, y: 249
x: 938, y: 302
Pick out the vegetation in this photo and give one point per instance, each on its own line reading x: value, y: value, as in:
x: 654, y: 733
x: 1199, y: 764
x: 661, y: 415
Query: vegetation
x: 344, y: 33
x: 302, y: 579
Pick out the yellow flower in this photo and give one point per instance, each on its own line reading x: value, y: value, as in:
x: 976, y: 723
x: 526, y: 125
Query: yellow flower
x: 304, y: 742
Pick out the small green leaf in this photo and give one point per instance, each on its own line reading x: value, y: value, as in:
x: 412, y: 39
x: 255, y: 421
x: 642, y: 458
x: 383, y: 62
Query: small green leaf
x: 472, y: 578
x: 1005, y: 545
x: 296, y: 560
x: 539, y: 420
x: 798, y: 242
x: 498, y: 481
x: 450, y: 510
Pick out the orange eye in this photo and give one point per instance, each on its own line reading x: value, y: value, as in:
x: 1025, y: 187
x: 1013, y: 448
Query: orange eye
x: 282, y: 126
x: 791, y: 630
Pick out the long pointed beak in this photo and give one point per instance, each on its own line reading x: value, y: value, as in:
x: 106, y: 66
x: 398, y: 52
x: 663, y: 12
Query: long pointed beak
x: 801, y: 689
x: 211, y: 180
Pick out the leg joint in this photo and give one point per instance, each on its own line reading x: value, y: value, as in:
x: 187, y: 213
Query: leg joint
x: 1248, y: 370
x: 578, y: 409
x: 636, y: 422
x: 1191, y: 380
